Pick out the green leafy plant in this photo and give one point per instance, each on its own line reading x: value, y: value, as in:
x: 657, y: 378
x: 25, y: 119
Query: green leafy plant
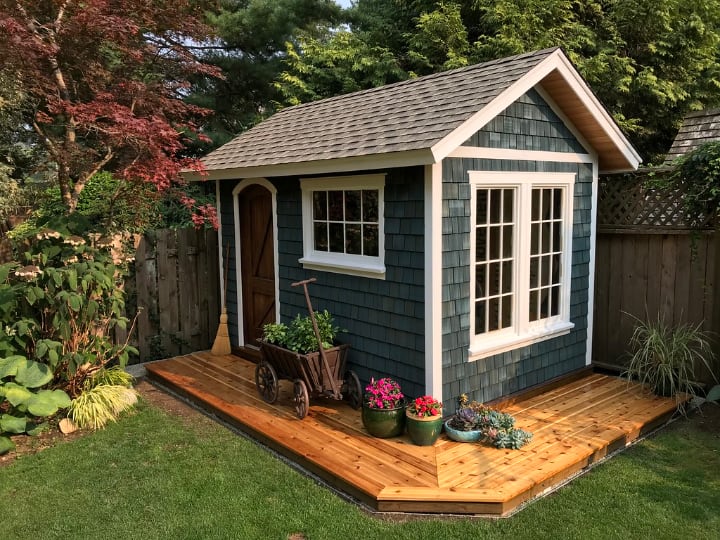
x: 107, y: 392
x: 22, y: 401
x: 60, y: 304
x: 666, y: 358
x: 299, y: 335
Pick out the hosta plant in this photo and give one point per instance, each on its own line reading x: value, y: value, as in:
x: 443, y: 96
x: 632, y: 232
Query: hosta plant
x: 60, y: 303
x: 22, y: 401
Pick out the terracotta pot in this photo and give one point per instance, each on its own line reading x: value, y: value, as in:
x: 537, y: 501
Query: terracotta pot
x: 424, y: 430
x: 384, y: 423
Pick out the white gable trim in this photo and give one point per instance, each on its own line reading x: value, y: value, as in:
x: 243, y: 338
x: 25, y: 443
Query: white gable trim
x: 557, y: 61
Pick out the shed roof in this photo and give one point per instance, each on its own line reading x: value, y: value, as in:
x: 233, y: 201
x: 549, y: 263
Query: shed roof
x: 697, y: 128
x: 418, y: 121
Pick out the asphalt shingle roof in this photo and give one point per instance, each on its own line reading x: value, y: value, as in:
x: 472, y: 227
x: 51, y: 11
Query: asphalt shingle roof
x: 697, y: 129
x: 409, y: 115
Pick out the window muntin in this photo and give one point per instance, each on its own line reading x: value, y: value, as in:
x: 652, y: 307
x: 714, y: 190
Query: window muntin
x: 343, y: 224
x: 346, y: 221
x: 520, y: 265
x: 494, y: 259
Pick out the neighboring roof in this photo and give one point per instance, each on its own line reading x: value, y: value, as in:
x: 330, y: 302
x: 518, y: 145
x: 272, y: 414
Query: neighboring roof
x: 418, y: 121
x: 697, y: 128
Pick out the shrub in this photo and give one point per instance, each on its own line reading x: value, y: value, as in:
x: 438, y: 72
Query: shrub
x: 299, y: 335
x: 60, y: 304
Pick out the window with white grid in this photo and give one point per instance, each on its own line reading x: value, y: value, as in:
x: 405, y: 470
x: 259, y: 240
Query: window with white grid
x: 520, y: 266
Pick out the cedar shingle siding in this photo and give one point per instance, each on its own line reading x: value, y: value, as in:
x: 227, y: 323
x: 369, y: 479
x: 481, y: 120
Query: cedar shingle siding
x: 528, y: 124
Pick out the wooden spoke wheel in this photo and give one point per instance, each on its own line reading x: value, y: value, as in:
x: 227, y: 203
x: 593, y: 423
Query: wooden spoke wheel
x: 354, y: 389
x: 266, y: 381
x: 301, y: 398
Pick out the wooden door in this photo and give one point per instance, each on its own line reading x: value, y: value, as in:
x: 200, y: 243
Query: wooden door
x: 257, y: 261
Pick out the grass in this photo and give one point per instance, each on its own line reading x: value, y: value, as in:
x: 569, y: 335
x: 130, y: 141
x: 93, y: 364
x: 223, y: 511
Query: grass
x: 154, y: 476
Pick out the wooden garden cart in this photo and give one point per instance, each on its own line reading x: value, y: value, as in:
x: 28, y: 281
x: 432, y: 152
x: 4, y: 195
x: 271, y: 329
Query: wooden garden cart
x: 314, y: 374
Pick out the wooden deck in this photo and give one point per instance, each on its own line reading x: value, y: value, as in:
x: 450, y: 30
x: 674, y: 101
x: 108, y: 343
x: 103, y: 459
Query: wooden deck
x: 573, y: 425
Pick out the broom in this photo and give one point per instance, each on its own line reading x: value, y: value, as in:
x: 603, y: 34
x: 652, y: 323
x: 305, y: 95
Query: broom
x: 221, y: 346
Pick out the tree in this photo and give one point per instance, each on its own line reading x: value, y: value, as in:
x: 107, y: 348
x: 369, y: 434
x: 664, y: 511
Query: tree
x: 250, y: 48
x: 104, y: 82
x: 649, y: 61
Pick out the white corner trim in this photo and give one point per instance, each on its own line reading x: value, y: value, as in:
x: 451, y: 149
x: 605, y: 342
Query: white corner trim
x: 238, y: 247
x: 433, y: 280
x: 591, y: 268
x: 477, y: 152
x: 221, y: 258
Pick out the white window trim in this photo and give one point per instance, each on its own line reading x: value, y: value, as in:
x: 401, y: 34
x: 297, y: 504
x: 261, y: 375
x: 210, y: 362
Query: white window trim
x: 523, y: 332
x: 341, y: 263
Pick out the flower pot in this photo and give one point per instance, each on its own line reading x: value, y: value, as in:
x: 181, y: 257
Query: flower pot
x: 424, y: 430
x: 384, y: 423
x: 463, y: 436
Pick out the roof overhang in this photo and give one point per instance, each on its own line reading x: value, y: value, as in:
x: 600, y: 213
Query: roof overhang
x: 558, y: 79
x: 323, y: 166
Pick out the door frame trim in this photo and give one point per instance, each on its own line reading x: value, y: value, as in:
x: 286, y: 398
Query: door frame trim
x: 243, y: 184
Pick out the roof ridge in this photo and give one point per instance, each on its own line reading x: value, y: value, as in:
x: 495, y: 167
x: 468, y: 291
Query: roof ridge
x: 439, y: 74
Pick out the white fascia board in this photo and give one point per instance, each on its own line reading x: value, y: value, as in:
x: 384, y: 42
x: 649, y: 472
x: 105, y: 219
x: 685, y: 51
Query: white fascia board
x: 556, y: 61
x: 326, y: 166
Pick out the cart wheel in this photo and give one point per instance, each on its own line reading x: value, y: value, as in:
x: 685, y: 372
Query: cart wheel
x: 354, y: 389
x: 301, y: 398
x: 266, y: 381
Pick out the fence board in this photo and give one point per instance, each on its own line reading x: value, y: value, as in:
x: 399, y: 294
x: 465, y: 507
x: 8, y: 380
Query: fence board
x: 650, y: 265
x: 175, y: 282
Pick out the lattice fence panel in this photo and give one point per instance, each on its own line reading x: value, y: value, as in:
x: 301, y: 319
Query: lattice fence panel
x: 626, y: 202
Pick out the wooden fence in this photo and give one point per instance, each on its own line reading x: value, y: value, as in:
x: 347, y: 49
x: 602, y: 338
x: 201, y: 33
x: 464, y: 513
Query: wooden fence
x: 649, y: 264
x: 175, y: 293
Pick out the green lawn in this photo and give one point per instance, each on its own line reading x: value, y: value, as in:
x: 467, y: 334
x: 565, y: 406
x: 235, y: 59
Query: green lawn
x: 153, y: 476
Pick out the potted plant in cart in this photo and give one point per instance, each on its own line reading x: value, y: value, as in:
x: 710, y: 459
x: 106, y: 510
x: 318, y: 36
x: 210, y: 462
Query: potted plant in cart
x: 383, y: 409
x: 424, y: 420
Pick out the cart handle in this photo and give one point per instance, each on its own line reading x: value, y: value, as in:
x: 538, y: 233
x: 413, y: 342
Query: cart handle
x: 303, y: 282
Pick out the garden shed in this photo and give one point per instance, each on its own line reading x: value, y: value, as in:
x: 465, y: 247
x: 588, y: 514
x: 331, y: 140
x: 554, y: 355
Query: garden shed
x: 449, y: 221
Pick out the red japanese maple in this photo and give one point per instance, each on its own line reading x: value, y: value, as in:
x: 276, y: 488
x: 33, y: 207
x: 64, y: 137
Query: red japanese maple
x: 106, y: 81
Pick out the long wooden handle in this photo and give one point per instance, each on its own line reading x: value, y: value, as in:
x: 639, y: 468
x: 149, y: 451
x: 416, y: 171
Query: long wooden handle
x: 303, y: 282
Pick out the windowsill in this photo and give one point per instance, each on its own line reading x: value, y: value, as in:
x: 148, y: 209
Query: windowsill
x: 369, y: 270
x: 497, y: 346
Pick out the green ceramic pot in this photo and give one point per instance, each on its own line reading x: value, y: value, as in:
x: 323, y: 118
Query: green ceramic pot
x: 384, y: 423
x: 424, y: 430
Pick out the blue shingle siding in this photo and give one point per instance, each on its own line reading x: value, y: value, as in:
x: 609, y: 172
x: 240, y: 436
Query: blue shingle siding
x: 384, y: 318
x: 528, y: 124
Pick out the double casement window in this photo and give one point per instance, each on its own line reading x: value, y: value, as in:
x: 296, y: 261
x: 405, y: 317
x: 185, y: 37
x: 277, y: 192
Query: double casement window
x: 343, y: 225
x: 520, y: 238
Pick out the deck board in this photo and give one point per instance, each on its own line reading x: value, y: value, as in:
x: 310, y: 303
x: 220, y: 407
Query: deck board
x: 573, y: 425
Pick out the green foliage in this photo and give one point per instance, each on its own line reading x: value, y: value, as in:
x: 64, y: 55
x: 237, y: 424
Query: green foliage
x: 60, y: 305
x: 497, y: 428
x: 698, y: 173
x: 112, y: 376
x: 100, y: 404
x: 714, y: 393
x: 336, y: 62
x: 22, y: 401
x: 650, y: 62
x: 666, y: 358
x: 299, y: 335
x: 251, y: 39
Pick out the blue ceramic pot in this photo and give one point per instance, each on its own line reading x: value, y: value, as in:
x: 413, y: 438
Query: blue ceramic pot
x: 463, y: 436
